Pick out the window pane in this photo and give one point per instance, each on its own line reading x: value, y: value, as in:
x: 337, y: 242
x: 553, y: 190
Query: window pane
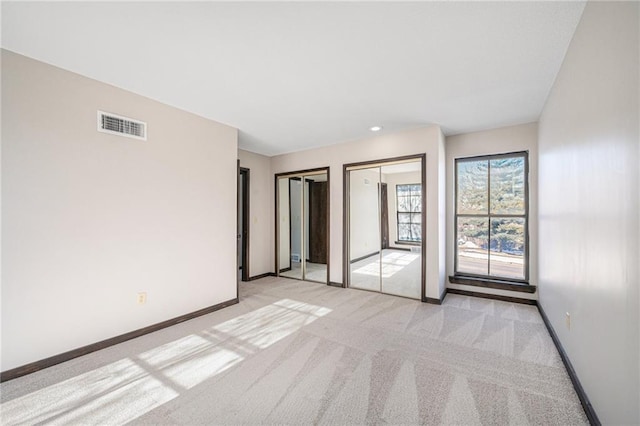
x: 416, y: 234
x: 409, y: 198
x: 472, y: 187
x: 416, y: 217
x: 507, y: 248
x: 416, y: 203
x: 409, y: 232
x: 507, y: 186
x: 472, y: 253
x: 403, y: 204
x: 404, y: 217
x: 403, y: 190
x: 404, y: 232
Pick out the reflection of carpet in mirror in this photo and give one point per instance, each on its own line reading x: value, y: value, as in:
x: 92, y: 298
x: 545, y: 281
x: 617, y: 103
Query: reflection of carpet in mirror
x: 315, y: 272
x: 399, y: 269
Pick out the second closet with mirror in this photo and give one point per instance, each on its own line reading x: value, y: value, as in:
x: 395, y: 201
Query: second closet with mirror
x: 302, y: 225
x: 384, y: 202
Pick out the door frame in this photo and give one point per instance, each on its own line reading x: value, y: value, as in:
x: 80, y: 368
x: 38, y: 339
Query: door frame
x: 345, y: 214
x: 244, y: 205
x: 301, y: 174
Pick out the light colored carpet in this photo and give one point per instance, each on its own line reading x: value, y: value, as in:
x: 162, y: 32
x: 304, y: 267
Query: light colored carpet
x: 294, y: 352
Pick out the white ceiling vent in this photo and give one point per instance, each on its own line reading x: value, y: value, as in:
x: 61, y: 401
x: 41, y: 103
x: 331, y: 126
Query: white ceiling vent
x: 123, y: 126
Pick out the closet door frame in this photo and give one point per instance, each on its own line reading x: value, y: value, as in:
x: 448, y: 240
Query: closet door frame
x: 346, y: 276
x: 303, y: 174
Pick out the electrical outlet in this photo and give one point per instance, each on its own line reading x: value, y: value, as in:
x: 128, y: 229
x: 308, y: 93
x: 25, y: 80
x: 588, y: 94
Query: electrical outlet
x: 142, y: 298
x: 567, y: 321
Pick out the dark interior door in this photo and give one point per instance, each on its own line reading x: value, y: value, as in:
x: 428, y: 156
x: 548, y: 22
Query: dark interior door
x: 243, y: 222
x: 384, y: 217
x: 318, y: 222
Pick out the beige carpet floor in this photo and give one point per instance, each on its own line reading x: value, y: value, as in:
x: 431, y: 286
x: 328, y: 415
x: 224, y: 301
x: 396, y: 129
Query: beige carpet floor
x: 294, y: 352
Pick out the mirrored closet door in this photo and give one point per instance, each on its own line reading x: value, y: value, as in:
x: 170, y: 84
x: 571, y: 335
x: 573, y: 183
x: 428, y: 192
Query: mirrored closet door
x: 384, y: 204
x: 302, y: 232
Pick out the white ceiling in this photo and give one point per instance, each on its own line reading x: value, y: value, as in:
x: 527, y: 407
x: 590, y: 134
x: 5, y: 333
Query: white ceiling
x: 292, y: 76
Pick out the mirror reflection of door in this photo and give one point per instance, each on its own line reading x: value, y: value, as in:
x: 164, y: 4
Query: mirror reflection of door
x: 384, y: 216
x: 385, y: 235
x: 295, y: 228
x: 284, y: 226
x: 316, y: 266
x: 302, y: 212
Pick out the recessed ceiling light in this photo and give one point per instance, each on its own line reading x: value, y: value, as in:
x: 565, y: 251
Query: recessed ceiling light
x: 375, y: 128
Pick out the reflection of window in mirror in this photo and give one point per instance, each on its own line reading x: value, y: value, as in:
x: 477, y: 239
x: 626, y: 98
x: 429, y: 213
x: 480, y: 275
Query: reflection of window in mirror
x: 409, y: 202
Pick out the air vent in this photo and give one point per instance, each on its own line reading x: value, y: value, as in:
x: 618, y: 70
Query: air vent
x: 123, y: 126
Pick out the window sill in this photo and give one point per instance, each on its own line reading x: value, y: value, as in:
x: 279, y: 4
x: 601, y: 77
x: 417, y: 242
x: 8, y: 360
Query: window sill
x: 492, y: 283
x: 409, y: 243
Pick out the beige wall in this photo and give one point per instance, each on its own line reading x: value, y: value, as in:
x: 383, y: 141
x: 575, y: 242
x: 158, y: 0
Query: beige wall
x: 589, y: 204
x: 261, y: 211
x: 91, y: 219
x: 497, y: 141
x: 427, y: 140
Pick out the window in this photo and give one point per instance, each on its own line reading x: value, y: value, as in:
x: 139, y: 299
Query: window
x: 409, y: 202
x: 491, y: 217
